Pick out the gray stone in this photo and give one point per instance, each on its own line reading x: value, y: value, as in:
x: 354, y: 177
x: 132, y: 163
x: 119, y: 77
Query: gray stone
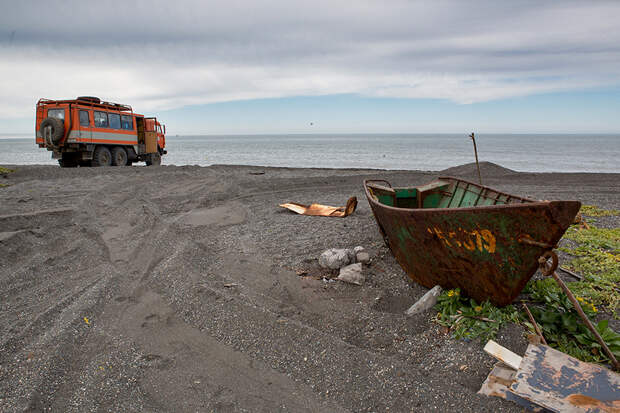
x: 352, y: 274
x: 357, y: 249
x: 363, y: 257
x: 425, y: 303
x: 334, y: 258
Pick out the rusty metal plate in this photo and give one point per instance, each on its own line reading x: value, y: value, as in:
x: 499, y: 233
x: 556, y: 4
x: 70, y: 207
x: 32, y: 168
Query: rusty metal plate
x: 323, y: 210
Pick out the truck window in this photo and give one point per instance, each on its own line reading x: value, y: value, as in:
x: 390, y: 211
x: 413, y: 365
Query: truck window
x: 101, y: 119
x: 126, y: 122
x: 159, y: 128
x: 84, y: 118
x: 56, y: 113
x: 115, y: 120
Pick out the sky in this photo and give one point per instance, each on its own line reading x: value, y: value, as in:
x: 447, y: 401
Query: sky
x: 283, y: 66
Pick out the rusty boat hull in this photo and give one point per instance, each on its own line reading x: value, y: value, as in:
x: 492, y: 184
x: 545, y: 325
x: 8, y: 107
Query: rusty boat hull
x: 459, y: 234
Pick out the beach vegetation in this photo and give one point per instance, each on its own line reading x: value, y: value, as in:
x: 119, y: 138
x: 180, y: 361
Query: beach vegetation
x: 594, y: 211
x: 4, y: 171
x: 468, y: 319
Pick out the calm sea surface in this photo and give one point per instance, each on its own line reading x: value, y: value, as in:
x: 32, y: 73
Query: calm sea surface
x: 537, y: 153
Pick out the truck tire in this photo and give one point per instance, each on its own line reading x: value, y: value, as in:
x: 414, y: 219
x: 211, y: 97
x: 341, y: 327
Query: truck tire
x: 57, y: 129
x: 119, y: 156
x: 154, y: 159
x: 101, y: 156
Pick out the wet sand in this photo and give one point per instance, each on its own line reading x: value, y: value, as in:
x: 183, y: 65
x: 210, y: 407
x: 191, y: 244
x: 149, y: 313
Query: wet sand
x: 176, y: 289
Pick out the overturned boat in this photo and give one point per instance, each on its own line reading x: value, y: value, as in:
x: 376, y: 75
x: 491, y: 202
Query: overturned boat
x: 456, y: 233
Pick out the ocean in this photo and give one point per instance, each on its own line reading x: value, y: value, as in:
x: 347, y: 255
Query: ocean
x: 527, y: 152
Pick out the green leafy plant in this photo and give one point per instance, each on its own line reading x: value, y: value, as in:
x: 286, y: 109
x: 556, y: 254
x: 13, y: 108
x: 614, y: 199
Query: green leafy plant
x: 468, y: 319
x: 4, y: 171
x: 563, y: 328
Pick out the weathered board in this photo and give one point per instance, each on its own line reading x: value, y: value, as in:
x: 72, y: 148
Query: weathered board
x: 498, y: 384
x: 503, y: 354
x: 561, y: 383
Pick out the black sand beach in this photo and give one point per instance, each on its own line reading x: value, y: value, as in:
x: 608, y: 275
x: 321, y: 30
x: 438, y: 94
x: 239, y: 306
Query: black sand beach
x: 177, y: 289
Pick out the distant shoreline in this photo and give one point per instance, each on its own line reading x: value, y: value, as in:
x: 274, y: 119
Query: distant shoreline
x: 490, y: 169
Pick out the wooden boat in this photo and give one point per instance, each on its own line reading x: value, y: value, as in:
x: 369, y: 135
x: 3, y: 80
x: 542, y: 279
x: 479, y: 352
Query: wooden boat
x: 457, y: 233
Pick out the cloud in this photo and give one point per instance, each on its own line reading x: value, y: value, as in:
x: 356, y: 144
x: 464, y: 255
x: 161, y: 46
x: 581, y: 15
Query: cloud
x: 164, y: 55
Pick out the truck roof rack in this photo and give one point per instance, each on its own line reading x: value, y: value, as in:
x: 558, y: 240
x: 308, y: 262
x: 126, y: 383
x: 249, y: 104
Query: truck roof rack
x: 91, y: 101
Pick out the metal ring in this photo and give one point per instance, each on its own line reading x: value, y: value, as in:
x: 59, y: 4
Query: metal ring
x: 543, y: 263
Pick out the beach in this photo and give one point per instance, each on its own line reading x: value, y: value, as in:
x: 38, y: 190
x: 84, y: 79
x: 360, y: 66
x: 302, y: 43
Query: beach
x: 187, y: 288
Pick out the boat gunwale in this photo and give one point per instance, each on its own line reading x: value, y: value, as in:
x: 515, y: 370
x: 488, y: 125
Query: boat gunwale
x: 530, y: 202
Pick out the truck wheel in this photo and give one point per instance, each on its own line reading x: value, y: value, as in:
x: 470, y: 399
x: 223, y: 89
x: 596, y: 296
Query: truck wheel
x: 57, y: 129
x: 154, y: 159
x: 119, y: 156
x: 101, y: 157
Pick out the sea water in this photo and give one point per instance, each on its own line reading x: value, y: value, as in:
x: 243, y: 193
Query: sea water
x: 535, y: 153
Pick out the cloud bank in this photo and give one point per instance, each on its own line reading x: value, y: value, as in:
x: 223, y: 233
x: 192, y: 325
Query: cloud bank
x: 159, y: 55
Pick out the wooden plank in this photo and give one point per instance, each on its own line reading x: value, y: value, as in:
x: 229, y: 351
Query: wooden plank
x: 503, y: 354
x: 562, y: 383
x: 498, y: 384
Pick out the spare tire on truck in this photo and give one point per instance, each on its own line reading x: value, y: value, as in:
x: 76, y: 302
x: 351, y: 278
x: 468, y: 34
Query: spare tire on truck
x: 57, y: 129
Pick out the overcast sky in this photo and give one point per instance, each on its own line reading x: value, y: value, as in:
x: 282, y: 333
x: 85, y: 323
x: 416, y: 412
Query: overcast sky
x: 222, y: 67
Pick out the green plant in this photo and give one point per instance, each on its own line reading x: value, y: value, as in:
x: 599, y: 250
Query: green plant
x: 563, y: 328
x: 610, y: 337
x: 5, y: 170
x: 594, y: 211
x: 468, y: 319
x: 597, y: 258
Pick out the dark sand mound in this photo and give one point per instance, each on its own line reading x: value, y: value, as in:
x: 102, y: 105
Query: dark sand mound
x: 487, y: 169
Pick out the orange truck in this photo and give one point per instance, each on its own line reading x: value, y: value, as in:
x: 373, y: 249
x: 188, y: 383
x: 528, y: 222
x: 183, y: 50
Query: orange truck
x: 89, y: 132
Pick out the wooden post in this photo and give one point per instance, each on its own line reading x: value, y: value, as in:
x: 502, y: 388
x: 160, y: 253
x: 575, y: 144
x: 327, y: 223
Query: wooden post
x: 476, y: 153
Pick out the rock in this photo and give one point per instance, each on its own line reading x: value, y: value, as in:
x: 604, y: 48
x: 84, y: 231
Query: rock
x: 334, y: 258
x: 357, y: 249
x: 352, y: 274
x: 425, y: 303
x: 363, y: 257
